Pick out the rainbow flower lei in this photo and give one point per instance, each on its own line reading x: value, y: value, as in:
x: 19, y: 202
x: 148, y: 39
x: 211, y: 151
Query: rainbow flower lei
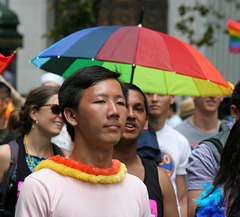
x: 77, y: 170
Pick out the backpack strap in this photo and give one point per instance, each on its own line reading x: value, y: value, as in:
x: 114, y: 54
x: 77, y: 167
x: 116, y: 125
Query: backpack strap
x: 216, y: 147
x: 5, y: 185
x: 57, y: 150
x: 217, y: 142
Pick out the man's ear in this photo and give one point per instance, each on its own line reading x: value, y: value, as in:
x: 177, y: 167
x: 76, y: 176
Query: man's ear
x: 70, y: 116
x: 145, y: 127
x: 193, y: 97
x: 172, y: 98
x: 235, y: 112
x: 221, y: 99
x: 6, y: 102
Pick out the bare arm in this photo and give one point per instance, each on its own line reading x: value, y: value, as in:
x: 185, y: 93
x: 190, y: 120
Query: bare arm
x: 5, y: 158
x: 192, y: 205
x: 169, y: 198
x: 202, y: 168
x: 181, y: 194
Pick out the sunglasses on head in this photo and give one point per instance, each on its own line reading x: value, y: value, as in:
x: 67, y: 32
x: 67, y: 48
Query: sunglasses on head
x: 55, y: 108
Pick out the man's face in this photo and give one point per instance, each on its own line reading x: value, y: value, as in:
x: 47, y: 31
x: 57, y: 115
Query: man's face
x: 2, y: 107
x: 159, y: 104
x: 4, y: 101
x: 102, y: 114
x: 208, y: 104
x: 136, y: 118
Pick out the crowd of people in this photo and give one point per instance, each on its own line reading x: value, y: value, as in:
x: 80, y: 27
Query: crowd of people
x: 90, y: 145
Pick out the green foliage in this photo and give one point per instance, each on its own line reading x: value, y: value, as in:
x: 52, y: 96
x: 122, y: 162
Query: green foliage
x: 188, y: 16
x: 72, y: 16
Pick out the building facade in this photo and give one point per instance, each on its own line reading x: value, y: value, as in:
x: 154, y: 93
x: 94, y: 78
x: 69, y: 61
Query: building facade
x: 36, y: 17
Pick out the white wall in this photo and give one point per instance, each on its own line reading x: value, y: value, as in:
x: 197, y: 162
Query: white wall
x: 32, y: 15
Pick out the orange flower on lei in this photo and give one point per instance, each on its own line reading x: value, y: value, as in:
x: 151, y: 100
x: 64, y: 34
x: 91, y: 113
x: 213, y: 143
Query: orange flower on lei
x: 77, y: 170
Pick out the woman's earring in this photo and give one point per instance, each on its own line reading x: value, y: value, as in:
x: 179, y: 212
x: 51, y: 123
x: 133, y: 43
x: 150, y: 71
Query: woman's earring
x: 36, y: 122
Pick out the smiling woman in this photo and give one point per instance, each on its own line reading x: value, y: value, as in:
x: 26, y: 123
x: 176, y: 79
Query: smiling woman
x: 37, y: 121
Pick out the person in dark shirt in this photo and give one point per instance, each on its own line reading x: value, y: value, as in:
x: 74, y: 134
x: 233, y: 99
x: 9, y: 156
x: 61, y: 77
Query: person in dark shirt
x: 37, y: 121
x: 5, y: 99
x: 160, y: 190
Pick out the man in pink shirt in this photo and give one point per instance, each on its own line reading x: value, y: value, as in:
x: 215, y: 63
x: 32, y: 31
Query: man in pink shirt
x: 88, y: 182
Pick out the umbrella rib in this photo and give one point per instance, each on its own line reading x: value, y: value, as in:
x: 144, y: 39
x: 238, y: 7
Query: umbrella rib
x: 134, y: 64
x: 196, y: 85
x: 133, y: 68
x: 165, y: 82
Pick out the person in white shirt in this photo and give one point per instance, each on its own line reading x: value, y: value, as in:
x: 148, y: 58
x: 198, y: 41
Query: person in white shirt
x: 174, y: 147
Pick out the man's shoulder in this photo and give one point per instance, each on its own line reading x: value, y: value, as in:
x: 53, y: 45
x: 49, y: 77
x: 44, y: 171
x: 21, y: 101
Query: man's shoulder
x: 203, y: 154
x: 217, y: 142
x: 201, y: 149
x: 172, y: 138
x: 134, y: 180
x: 182, y: 126
x: 202, y: 167
x: 175, y: 133
x: 44, y: 175
x: 133, y: 185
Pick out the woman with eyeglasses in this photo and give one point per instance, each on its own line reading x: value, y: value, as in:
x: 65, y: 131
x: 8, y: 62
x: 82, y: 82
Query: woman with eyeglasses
x: 37, y: 121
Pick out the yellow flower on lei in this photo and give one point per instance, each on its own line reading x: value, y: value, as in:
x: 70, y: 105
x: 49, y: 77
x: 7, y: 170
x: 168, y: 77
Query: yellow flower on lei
x: 67, y: 167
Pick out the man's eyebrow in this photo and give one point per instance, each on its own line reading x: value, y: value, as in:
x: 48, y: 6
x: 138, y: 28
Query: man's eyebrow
x: 101, y: 94
x: 139, y: 104
x: 120, y: 96
x: 105, y: 95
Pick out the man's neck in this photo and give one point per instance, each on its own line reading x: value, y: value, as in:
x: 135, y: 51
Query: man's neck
x: 125, y: 151
x: 205, y: 123
x: 90, y: 155
x: 157, y: 123
x: 129, y: 157
x: 3, y: 122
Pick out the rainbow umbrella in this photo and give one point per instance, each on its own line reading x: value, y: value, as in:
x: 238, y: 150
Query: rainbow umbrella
x: 154, y: 61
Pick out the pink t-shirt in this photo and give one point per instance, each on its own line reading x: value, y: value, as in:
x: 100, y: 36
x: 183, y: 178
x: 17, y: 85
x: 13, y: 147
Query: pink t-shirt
x: 48, y: 194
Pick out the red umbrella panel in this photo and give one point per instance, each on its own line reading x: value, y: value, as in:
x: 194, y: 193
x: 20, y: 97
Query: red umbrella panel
x: 156, y: 62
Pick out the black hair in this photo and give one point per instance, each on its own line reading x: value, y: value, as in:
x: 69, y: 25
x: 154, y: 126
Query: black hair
x: 235, y: 98
x: 173, y: 106
x: 134, y: 87
x: 5, y: 90
x: 224, y: 108
x: 229, y: 172
x: 72, y: 88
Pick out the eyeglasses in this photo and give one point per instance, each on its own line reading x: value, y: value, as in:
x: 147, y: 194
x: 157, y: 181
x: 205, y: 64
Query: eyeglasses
x: 55, y: 108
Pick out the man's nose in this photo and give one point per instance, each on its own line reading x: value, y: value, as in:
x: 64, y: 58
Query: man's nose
x: 112, y: 110
x: 131, y: 113
x: 155, y: 97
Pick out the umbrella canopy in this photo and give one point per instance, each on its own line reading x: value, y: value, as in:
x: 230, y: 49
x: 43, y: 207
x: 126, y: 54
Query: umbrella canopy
x: 154, y: 61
